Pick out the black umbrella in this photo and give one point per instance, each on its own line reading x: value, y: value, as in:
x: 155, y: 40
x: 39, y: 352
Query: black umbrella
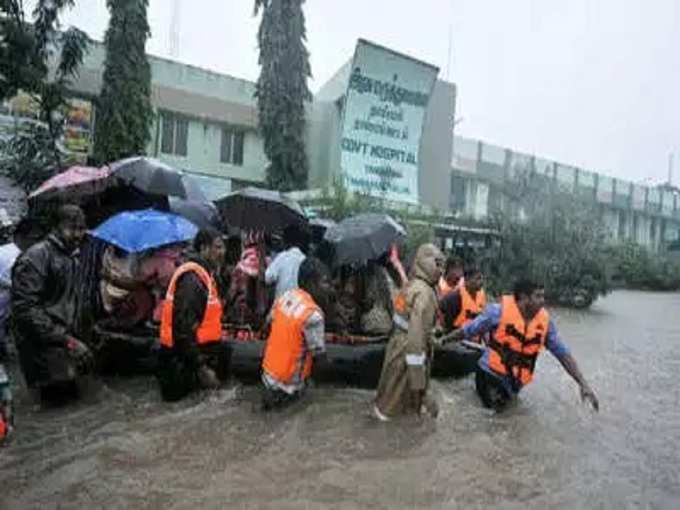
x: 321, y: 223
x: 201, y: 214
x: 156, y: 178
x: 260, y: 209
x: 318, y: 227
x: 362, y: 238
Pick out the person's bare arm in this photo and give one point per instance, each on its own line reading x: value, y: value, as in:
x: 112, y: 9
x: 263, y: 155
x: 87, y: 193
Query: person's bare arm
x: 572, y: 368
x: 559, y: 349
x: 396, y: 263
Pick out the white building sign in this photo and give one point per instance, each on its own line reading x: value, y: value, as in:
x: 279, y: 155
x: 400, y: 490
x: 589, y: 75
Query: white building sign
x: 384, y: 112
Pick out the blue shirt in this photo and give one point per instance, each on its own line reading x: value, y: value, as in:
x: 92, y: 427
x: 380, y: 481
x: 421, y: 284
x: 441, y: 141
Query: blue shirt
x: 489, y: 319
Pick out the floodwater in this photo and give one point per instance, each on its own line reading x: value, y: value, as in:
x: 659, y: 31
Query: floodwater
x: 216, y: 451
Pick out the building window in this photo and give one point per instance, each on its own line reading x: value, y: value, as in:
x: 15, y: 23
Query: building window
x: 174, y: 134
x: 231, y: 147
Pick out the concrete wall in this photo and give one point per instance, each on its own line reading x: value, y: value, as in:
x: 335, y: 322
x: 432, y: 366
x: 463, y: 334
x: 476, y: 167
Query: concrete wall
x: 436, y: 147
x: 323, y: 147
x: 610, y: 218
x: 324, y: 127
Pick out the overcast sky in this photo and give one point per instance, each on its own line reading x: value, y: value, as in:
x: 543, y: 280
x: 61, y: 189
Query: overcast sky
x: 593, y: 83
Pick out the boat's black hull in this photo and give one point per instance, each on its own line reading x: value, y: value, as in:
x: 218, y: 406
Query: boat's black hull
x: 356, y: 365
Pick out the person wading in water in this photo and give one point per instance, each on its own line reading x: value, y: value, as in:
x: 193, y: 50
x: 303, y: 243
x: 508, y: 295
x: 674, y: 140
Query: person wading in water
x: 406, y: 369
x: 521, y: 328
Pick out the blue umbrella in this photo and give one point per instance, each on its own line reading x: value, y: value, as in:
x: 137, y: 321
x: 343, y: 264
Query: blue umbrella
x: 135, y: 231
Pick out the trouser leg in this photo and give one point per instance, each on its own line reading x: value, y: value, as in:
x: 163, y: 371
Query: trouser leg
x: 176, y: 377
x: 273, y: 399
x: 490, y: 391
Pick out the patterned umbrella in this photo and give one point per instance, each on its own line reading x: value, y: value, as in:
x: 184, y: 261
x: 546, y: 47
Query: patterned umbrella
x: 74, y: 184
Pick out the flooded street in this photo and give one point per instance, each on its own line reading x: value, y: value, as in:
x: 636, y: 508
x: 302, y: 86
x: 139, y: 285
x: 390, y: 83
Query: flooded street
x: 129, y: 450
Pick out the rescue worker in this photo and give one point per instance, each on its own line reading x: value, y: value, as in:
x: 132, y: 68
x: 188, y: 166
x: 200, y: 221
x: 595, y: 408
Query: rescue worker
x: 296, y: 340
x: 191, y: 352
x: 464, y: 304
x: 406, y: 368
x: 44, y: 309
x: 452, y: 277
x: 521, y: 329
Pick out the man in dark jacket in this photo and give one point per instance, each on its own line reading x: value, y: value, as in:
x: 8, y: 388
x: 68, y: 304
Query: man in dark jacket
x: 185, y: 362
x: 44, y: 307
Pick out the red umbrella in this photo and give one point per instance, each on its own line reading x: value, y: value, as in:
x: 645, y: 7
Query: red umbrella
x: 74, y: 183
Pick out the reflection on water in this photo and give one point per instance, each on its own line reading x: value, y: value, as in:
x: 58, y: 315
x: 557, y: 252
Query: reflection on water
x: 216, y: 450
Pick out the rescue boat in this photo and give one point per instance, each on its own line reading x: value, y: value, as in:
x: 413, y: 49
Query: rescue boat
x: 355, y: 360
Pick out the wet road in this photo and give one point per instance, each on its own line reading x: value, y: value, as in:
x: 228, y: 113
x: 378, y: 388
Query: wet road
x: 216, y: 451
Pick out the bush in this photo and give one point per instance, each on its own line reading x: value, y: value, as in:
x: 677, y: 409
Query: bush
x: 639, y: 268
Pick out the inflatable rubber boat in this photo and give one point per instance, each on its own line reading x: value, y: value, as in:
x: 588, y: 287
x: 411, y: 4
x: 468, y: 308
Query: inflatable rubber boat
x: 355, y: 360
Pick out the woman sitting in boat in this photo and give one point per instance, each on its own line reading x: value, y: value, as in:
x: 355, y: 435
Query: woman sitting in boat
x: 133, y: 285
x: 365, y: 296
x: 248, y: 298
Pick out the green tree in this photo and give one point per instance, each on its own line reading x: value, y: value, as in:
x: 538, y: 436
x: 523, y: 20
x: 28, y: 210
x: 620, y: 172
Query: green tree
x: 27, y: 49
x: 281, y: 91
x: 551, y: 236
x: 124, y: 112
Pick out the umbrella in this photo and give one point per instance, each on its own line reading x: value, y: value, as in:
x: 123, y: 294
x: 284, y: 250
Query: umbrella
x: 135, y: 231
x: 321, y: 223
x: 260, y: 209
x: 319, y: 226
x: 201, y: 214
x: 362, y: 238
x: 74, y: 183
x: 156, y: 178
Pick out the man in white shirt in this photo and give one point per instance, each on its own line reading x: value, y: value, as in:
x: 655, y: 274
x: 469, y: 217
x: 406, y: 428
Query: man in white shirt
x: 283, y: 271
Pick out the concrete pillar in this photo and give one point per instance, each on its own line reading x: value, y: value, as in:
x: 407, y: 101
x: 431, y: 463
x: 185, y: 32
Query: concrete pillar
x: 622, y: 230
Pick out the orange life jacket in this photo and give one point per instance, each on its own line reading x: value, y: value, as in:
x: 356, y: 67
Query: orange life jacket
x: 516, y: 345
x: 469, y: 308
x: 399, y: 302
x: 286, y: 347
x: 210, y: 329
x: 400, y: 317
x: 443, y: 290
